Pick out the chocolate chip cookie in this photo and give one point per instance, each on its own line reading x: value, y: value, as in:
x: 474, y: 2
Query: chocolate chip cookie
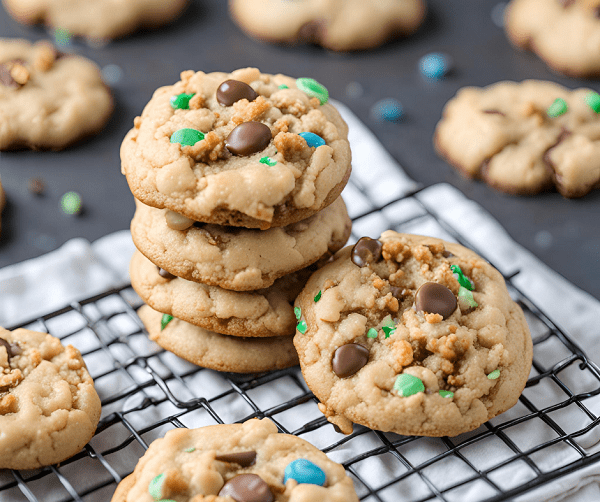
x: 215, y: 351
x: 340, y: 25
x: 49, y: 408
x: 242, y: 149
x: 48, y: 100
x: 97, y: 20
x: 412, y: 335
x: 563, y: 33
x: 237, y: 258
x: 247, y: 462
x: 524, y: 138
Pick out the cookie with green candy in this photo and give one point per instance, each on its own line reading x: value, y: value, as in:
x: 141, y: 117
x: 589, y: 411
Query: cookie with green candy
x: 412, y: 335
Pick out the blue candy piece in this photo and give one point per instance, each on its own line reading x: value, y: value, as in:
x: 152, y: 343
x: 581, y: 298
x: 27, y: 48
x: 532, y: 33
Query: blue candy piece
x: 304, y: 471
x: 312, y: 139
x: 435, y: 65
x: 388, y: 109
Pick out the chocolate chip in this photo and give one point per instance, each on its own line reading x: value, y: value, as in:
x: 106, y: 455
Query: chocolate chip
x: 447, y: 254
x: 494, y: 112
x: 596, y: 12
x: 435, y: 298
x: 248, y: 138
x: 243, y: 458
x: 398, y: 293
x: 337, y: 429
x: 348, y: 359
x: 7, y: 345
x: 164, y: 274
x: 247, y: 488
x: 365, y: 251
x: 231, y: 91
x: 6, y: 78
x: 312, y: 32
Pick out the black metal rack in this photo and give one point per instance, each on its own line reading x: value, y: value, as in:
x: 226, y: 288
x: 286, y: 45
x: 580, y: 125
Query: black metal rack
x: 146, y: 391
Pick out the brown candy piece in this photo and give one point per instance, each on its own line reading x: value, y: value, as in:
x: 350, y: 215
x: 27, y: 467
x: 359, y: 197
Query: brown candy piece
x: 231, y: 91
x: 348, y: 359
x: 248, y: 138
x: 242, y: 458
x: 164, y: 274
x: 247, y: 488
x: 435, y: 298
x: 365, y: 251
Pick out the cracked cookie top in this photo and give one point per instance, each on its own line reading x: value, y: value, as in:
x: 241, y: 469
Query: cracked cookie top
x: 242, y: 149
x: 412, y: 335
x: 49, y: 408
x: 247, y: 462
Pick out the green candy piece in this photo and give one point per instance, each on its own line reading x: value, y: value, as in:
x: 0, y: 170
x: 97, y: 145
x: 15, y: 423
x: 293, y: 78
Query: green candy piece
x: 372, y: 333
x: 446, y: 393
x: 389, y: 326
x: 558, y: 108
x: 166, y: 319
x: 465, y: 295
x: 318, y: 296
x: 315, y: 90
x: 187, y: 137
x: 494, y: 374
x: 70, y: 203
x: 283, y: 86
x: 268, y: 161
x: 155, y: 486
x: 298, y: 312
x: 462, y: 279
x: 408, y: 385
x: 182, y: 101
x: 302, y: 327
x: 593, y: 101
x: 190, y: 450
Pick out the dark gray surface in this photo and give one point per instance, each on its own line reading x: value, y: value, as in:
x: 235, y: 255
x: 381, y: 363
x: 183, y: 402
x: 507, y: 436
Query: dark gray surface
x: 563, y: 233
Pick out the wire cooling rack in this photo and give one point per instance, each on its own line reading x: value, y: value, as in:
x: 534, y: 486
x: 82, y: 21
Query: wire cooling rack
x: 146, y: 391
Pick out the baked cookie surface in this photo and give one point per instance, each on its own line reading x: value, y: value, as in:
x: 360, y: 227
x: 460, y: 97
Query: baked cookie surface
x: 227, y: 149
x: 265, y: 312
x: 237, y: 258
x: 398, y: 344
x: 525, y: 137
x: 48, y: 100
x: 564, y: 33
x: 248, y: 462
x: 99, y: 19
x: 49, y: 408
x: 341, y: 25
x: 215, y: 351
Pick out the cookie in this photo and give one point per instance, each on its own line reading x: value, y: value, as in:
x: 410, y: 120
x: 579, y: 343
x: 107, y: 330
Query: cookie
x: 345, y: 25
x: 412, y: 335
x: 237, y: 258
x: 97, y: 20
x: 523, y: 138
x: 215, y: 351
x: 238, y: 149
x: 247, y: 462
x: 48, y: 100
x: 559, y: 31
x: 266, y: 312
x: 49, y: 408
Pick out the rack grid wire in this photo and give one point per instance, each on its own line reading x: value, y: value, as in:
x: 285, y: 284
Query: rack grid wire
x: 146, y: 391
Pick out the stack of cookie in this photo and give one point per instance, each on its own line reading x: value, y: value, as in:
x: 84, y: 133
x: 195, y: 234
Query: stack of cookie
x: 237, y: 179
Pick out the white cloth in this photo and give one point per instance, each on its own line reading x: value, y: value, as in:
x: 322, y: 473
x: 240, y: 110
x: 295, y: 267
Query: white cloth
x: 80, y: 269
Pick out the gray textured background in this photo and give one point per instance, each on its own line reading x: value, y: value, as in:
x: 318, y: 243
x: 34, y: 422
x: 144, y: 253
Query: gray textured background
x: 563, y: 233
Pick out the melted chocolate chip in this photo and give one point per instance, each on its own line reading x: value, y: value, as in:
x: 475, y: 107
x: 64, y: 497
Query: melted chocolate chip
x: 164, y: 274
x: 494, y: 112
x: 447, y: 254
x: 7, y: 345
x: 6, y: 78
x: 365, y: 251
x: 243, y: 458
x: 348, y: 359
x: 435, y: 298
x: 231, y: 91
x: 247, y: 488
x: 312, y: 32
x: 248, y: 138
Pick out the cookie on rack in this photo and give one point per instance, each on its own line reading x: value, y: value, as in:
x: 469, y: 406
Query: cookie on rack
x: 412, y: 335
x: 242, y: 149
x: 345, y: 25
x: 97, y: 20
x: 237, y: 258
x: 49, y: 408
x: 49, y: 99
x: 523, y: 138
x: 215, y: 351
x: 262, y: 313
x: 559, y: 31
x: 247, y: 462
